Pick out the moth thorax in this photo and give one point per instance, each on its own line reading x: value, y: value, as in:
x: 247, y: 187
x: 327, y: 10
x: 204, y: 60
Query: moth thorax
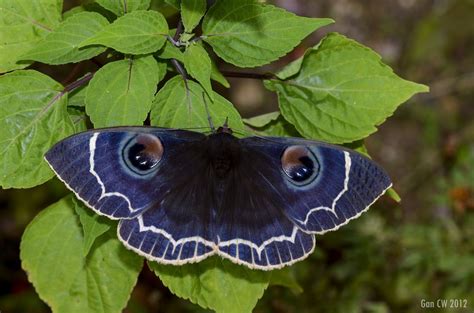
x: 223, y: 153
x: 222, y: 165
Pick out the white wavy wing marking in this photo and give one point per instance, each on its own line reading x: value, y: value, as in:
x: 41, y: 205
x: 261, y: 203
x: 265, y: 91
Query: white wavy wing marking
x: 332, y: 209
x: 199, y: 239
x: 215, y: 247
x: 103, y: 193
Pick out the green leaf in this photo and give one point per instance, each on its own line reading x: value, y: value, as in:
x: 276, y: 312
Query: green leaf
x: 93, y: 225
x: 76, y: 107
x: 359, y: 146
x: 125, y: 6
x: 215, y: 283
x: 51, y: 252
x: 121, y: 92
x: 33, y: 116
x: 198, y: 64
x: 248, y: 34
x: 341, y: 92
x: 272, y: 124
x: 169, y: 51
x: 177, y: 107
x: 392, y: 193
x: 291, y: 68
x: 77, y: 97
x: 217, y: 75
x: 61, y: 45
x: 22, y: 24
x: 185, y: 38
x: 162, y: 68
x: 191, y: 13
x: 174, y: 3
x: 78, y: 118
x: 73, y: 11
x: 139, y: 32
x: 262, y: 120
x: 285, y: 278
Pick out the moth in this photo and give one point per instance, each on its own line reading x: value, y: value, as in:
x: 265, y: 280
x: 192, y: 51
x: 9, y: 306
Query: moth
x: 181, y: 196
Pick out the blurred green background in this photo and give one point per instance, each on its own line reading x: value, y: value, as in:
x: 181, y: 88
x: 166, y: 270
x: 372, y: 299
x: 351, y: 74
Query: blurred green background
x: 395, y: 256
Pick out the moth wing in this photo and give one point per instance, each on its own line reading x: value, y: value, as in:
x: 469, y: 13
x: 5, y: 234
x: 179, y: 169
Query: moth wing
x: 345, y: 183
x: 95, y: 166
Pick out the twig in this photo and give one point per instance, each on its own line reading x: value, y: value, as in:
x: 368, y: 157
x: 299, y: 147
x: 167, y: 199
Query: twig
x: 177, y: 65
x: 78, y: 83
x: 179, y: 30
x: 179, y: 68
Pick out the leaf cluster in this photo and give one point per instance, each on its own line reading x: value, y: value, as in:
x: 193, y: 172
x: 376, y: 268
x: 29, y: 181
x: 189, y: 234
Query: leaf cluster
x: 338, y: 91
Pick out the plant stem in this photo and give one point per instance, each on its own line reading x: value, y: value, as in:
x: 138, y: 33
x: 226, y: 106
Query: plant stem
x: 179, y: 30
x: 78, y: 83
x: 179, y: 68
x: 177, y: 65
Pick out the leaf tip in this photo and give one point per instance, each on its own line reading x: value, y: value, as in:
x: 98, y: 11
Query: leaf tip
x: 394, y: 195
x: 424, y: 88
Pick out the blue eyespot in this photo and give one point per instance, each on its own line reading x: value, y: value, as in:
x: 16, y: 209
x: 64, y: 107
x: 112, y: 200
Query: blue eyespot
x: 299, y: 164
x: 140, y: 159
x: 143, y: 153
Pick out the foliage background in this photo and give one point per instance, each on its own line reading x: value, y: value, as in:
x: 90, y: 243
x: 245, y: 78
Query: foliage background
x: 398, y: 254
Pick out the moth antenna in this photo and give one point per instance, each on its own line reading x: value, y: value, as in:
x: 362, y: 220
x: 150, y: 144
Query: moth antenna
x: 209, y: 118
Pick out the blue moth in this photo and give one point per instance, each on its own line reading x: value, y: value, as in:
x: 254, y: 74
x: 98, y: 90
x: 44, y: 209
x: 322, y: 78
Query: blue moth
x: 181, y: 196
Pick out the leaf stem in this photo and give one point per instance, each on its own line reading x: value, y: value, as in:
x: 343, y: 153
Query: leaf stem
x: 179, y: 68
x: 177, y: 65
x: 174, y: 42
x: 179, y: 30
x: 196, y: 39
x: 78, y: 83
